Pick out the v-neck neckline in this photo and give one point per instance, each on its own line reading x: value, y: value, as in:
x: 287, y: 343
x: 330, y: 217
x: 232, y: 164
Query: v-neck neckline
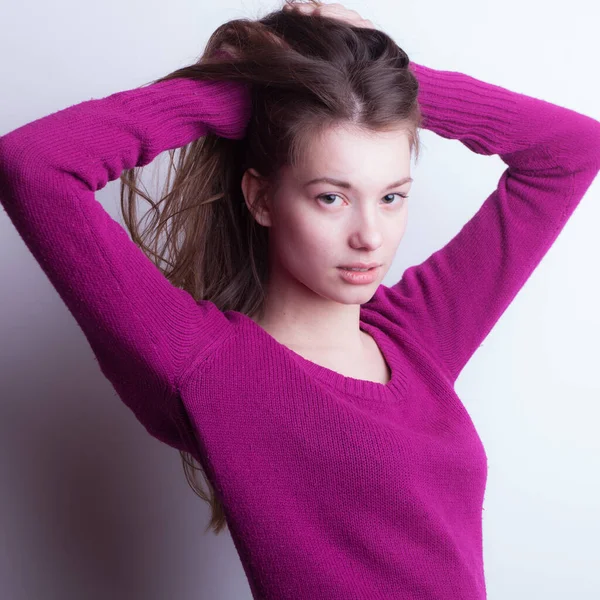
x: 349, y: 385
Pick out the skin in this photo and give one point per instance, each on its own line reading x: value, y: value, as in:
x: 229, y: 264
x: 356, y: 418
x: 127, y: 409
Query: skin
x: 309, y: 305
x: 333, y: 10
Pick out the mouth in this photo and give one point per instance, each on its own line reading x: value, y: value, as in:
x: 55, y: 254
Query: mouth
x: 356, y: 276
x: 359, y: 269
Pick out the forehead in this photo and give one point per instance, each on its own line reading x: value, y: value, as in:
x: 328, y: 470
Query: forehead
x: 353, y: 151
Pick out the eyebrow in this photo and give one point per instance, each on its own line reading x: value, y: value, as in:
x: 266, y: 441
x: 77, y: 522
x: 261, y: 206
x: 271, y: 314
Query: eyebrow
x: 347, y: 185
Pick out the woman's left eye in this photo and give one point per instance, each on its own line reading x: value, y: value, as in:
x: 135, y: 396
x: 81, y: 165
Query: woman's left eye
x: 398, y: 194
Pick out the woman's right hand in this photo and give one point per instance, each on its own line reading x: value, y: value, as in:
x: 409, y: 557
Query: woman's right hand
x: 333, y: 11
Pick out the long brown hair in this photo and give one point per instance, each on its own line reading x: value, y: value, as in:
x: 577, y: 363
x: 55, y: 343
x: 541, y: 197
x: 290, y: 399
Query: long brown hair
x: 306, y: 72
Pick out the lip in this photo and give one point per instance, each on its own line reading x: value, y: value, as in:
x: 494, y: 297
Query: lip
x: 358, y: 277
x: 358, y: 265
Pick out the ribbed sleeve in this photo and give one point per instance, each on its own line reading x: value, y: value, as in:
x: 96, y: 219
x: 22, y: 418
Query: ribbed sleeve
x: 452, y: 300
x: 140, y: 327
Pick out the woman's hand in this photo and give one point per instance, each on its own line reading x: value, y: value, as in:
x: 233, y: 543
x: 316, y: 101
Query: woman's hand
x: 333, y: 11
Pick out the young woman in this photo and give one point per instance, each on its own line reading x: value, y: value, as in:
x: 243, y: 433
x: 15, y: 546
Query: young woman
x: 319, y: 403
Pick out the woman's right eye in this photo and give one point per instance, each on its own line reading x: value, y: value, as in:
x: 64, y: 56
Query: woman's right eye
x: 328, y: 195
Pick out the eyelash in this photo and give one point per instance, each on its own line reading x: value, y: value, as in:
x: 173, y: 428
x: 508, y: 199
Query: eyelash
x: 388, y: 204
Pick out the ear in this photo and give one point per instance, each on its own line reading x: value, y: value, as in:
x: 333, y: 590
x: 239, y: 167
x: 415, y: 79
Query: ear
x: 255, y: 190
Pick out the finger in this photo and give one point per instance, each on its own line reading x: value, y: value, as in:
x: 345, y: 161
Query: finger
x: 308, y: 9
x: 305, y: 5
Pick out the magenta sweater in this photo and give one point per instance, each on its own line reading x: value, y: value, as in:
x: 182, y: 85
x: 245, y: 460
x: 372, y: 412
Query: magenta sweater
x: 334, y: 488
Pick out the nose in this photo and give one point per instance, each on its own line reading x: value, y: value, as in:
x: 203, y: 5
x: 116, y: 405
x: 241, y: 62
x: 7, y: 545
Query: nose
x: 366, y: 231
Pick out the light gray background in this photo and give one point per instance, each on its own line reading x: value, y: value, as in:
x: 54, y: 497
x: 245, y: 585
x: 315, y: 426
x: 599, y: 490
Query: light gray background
x: 92, y: 507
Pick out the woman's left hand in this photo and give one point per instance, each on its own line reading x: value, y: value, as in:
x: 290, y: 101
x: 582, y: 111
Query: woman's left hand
x: 332, y: 11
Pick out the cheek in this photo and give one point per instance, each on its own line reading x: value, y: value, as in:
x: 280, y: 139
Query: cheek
x: 396, y: 235
x: 309, y: 249
x: 401, y: 229
x: 318, y: 238
x: 304, y: 238
x: 404, y: 224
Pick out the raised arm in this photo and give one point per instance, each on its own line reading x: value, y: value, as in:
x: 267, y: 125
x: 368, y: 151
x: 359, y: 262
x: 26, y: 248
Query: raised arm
x: 451, y: 301
x: 140, y: 327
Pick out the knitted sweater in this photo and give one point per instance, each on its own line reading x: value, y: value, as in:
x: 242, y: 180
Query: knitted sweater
x: 333, y: 487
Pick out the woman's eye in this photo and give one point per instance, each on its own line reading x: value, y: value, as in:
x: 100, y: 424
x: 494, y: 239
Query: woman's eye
x: 398, y: 194
x: 386, y: 196
x: 328, y: 196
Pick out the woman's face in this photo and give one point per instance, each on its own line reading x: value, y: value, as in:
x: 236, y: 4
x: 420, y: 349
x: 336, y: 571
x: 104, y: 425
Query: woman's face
x: 358, y: 216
